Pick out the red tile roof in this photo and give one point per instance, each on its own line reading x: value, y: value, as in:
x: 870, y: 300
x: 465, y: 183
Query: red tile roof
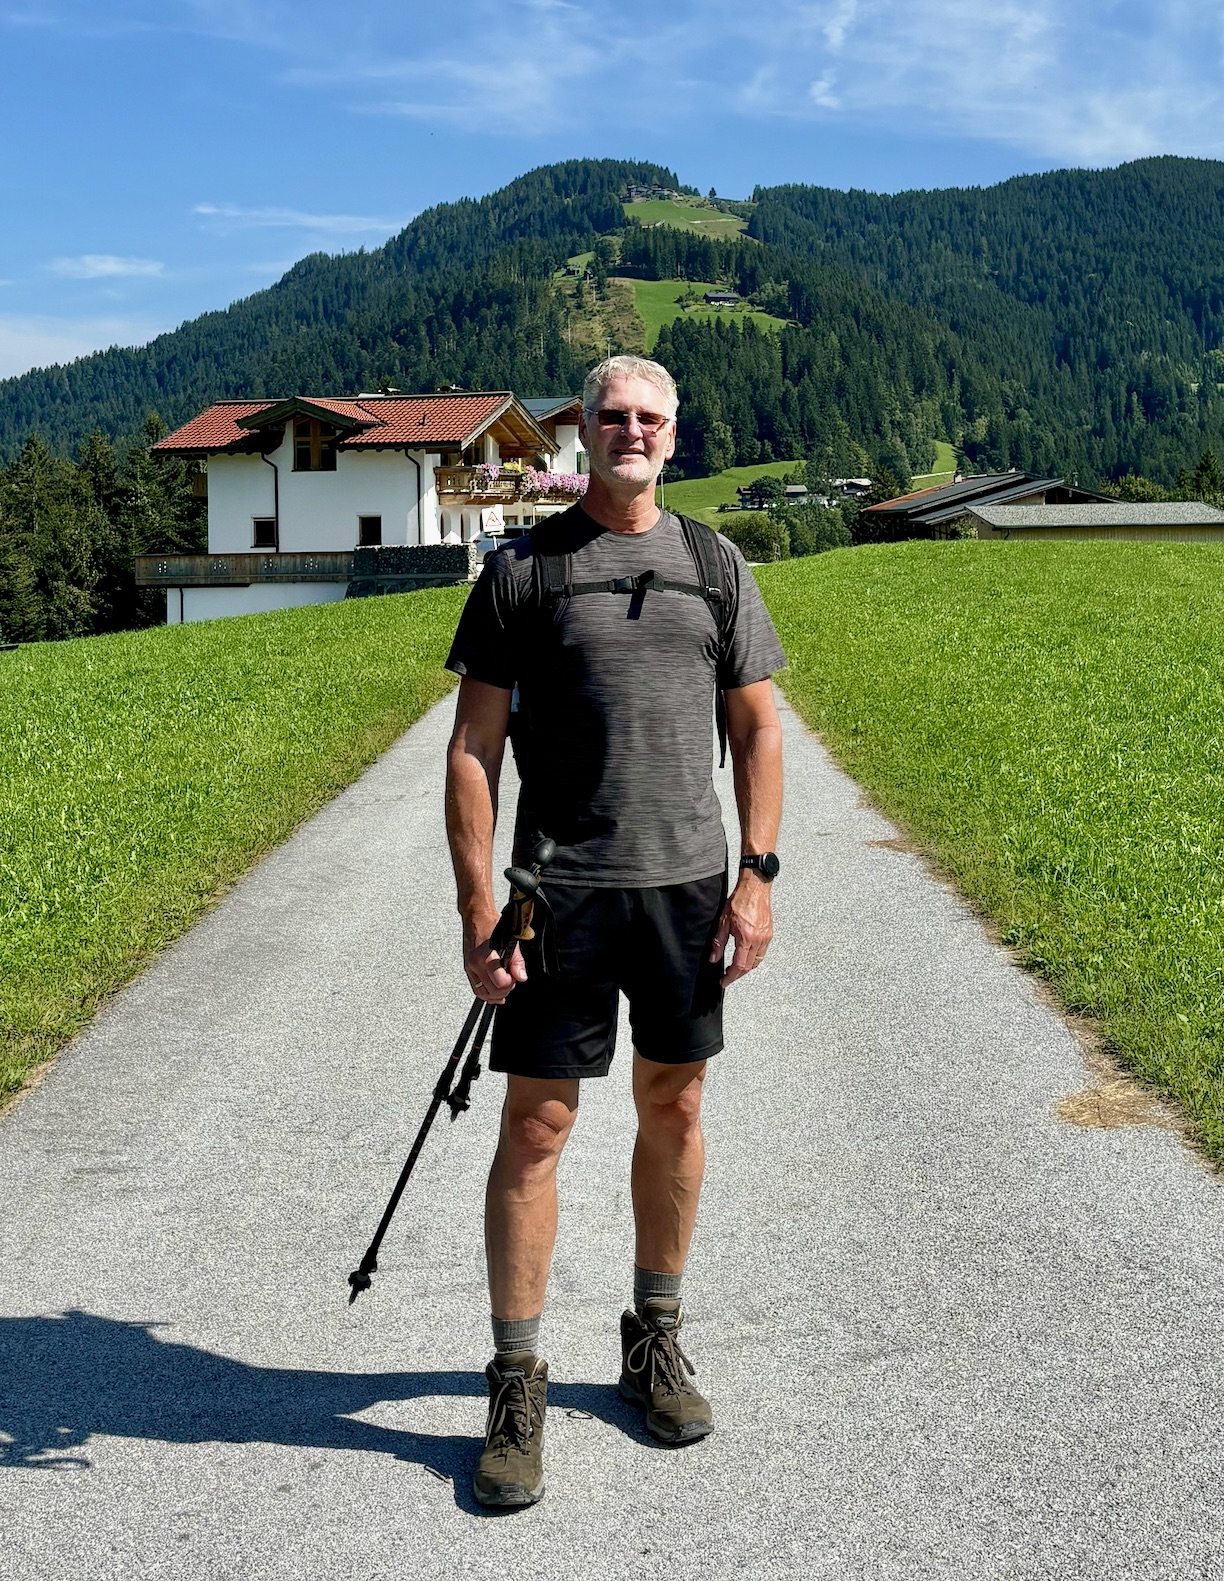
x: 214, y: 429
x: 429, y: 419
x: 392, y: 420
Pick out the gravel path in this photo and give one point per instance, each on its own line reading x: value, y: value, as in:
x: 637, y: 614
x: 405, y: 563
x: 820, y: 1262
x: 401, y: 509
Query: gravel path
x: 946, y: 1333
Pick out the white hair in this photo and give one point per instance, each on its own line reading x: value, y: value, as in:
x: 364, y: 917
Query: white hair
x: 629, y: 367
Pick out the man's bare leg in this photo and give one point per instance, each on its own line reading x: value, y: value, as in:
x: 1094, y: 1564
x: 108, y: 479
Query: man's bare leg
x: 521, y: 1197
x: 668, y: 1161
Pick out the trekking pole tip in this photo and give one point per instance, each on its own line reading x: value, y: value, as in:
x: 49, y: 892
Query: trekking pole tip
x: 358, y: 1281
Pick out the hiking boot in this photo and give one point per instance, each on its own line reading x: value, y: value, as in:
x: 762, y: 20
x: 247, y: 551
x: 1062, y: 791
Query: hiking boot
x: 655, y: 1374
x: 510, y: 1471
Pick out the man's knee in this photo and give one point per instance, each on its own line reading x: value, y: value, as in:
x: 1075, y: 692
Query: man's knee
x: 535, y: 1127
x: 668, y: 1099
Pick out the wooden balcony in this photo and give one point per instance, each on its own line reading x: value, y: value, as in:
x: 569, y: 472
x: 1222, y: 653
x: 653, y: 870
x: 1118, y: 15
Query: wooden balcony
x: 473, y: 484
x: 240, y: 570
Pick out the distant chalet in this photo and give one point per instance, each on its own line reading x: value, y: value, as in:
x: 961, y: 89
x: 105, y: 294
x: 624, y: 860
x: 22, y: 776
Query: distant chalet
x: 948, y: 510
x: 316, y: 497
x: 722, y: 299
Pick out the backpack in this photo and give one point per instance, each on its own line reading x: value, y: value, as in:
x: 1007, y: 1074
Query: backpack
x: 553, y: 573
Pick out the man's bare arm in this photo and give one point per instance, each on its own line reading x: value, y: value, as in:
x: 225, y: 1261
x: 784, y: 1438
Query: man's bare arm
x: 754, y: 733
x: 473, y: 769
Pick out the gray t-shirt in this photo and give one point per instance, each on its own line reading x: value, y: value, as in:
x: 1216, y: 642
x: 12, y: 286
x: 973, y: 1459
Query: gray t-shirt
x: 614, y: 733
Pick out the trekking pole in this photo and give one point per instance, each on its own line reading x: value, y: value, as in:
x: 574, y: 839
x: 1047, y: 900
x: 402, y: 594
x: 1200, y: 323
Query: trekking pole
x: 513, y: 926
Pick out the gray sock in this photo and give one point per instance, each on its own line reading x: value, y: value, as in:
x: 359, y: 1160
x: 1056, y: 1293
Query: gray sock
x: 647, y: 1284
x: 518, y: 1334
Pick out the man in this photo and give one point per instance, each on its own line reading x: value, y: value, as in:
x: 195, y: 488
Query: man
x: 614, y: 687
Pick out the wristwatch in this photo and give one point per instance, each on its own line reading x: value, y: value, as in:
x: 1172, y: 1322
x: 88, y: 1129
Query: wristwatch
x: 767, y: 865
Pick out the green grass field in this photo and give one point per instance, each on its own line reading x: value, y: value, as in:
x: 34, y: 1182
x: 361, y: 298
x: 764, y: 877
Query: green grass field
x: 692, y: 214
x: 140, y: 774
x: 1048, y: 721
x: 945, y: 467
x: 701, y: 497
x: 657, y: 303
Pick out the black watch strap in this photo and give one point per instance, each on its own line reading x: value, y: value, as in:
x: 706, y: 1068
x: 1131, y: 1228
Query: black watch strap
x: 766, y: 864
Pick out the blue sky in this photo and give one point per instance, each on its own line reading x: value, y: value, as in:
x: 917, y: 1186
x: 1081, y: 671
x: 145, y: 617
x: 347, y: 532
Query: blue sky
x: 164, y: 157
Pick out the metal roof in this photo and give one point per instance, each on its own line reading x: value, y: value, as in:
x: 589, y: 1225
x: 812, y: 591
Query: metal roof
x: 965, y: 488
x: 542, y: 406
x: 1179, y: 513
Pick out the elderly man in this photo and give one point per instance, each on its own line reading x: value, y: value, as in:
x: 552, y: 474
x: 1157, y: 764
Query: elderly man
x: 609, y: 633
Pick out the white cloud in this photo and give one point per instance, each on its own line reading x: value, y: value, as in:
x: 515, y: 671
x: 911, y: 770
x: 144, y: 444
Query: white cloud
x: 105, y: 266
x: 40, y: 341
x: 230, y: 216
x: 1062, y: 80
x: 1094, y: 83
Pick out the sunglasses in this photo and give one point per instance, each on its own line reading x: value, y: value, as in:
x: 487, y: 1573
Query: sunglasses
x: 611, y: 417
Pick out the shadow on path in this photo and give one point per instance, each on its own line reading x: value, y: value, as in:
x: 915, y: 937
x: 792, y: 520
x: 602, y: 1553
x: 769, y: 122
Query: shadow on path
x: 63, y: 1379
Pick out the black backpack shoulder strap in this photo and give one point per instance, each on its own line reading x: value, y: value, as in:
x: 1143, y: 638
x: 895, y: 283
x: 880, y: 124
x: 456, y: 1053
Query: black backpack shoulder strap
x: 702, y: 544
x: 552, y: 563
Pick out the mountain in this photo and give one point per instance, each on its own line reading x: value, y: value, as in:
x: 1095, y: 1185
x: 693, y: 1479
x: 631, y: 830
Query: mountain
x: 1094, y: 298
x: 461, y: 295
x: 1064, y: 322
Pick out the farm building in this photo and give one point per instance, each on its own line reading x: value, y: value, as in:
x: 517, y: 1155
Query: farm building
x: 297, y: 488
x: 1176, y: 522
x: 722, y: 299
x: 945, y: 511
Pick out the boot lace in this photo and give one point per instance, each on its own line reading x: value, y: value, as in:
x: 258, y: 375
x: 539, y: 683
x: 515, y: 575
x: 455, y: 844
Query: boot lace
x: 659, y: 1349
x: 511, y: 1413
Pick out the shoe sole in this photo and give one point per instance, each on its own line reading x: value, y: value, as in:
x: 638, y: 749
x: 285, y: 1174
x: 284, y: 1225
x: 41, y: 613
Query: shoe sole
x: 684, y: 1435
x: 512, y: 1498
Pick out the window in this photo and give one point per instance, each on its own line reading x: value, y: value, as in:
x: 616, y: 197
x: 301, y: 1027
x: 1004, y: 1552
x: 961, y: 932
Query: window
x: 369, y: 530
x: 264, y: 536
x: 314, y: 445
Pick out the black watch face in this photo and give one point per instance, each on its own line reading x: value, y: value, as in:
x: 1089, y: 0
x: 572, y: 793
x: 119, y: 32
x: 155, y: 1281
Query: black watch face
x: 769, y: 865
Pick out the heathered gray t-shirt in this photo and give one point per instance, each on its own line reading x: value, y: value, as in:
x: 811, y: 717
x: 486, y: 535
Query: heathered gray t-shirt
x: 615, y: 692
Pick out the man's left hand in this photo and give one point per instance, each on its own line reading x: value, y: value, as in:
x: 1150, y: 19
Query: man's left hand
x: 748, y: 919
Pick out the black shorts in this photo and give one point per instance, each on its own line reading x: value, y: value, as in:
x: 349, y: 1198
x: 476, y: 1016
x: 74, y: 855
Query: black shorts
x: 651, y: 944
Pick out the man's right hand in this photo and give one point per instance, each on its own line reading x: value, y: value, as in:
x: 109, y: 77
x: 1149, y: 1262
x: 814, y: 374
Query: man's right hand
x: 490, y: 980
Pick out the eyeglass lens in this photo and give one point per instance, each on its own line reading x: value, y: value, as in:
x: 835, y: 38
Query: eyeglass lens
x: 611, y: 417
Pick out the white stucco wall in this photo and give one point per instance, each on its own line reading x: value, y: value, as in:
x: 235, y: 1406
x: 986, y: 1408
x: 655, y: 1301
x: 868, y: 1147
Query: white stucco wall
x: 568, y: 449
x: 431, y: 531
x: 318, y: 510
x: 211, y: 603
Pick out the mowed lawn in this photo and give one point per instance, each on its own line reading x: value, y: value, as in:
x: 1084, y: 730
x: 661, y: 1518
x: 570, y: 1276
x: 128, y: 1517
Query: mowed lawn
x: 658, y: 302
x: 1048, y: 721
x: 142, y: 773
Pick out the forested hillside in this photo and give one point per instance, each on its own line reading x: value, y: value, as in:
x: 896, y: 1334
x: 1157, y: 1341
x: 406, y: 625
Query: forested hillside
x: 1094, y: 298
x: 1070, y: 323
x: 462, y: 295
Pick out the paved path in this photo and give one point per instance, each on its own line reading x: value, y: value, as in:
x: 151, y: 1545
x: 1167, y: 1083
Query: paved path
x: 947, y: 1334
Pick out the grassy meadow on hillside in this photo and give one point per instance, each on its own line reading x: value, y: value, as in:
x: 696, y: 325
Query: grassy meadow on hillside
x: 686, y: 214
x: 657, y: 302
x: 1048, y: 721
x: 943, y: 471
x: 142, y: 773
x: 701, y: 497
